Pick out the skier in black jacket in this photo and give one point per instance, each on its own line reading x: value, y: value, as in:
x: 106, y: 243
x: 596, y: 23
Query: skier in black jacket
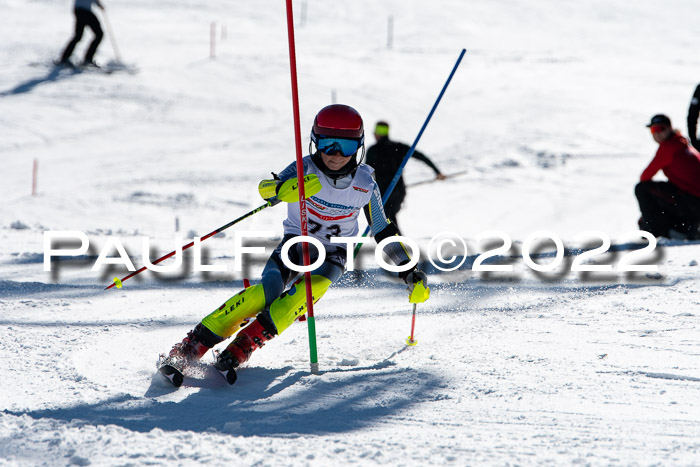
x: 386, y: 157
x: 693, y: 112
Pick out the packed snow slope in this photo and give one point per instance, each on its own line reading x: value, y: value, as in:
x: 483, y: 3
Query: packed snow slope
x: 546, y: 114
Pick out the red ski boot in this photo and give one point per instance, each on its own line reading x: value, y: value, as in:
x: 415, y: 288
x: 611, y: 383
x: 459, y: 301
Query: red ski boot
x: 191, y: 349
x: 238, y: 352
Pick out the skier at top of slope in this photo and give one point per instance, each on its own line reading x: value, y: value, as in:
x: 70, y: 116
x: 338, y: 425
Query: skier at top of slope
x: 84, y: 17
x: 347, y: 186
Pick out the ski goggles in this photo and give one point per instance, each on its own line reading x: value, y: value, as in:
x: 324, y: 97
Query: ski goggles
x: 657, y: 128
x: 332, y: 145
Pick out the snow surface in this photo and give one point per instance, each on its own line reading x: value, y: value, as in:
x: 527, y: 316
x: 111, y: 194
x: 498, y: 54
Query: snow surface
x: 546, y: 114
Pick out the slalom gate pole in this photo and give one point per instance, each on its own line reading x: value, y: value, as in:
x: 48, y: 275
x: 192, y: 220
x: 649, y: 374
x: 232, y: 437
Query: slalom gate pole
x: 111, y: 36
x: 302, y: 198
x: 412, y: 149
x: 118, y: 282
x: 35, y: 172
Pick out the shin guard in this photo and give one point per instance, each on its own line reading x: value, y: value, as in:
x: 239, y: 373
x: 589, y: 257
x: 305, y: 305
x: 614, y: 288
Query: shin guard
x: 236, y: 312
x: 292, y: 304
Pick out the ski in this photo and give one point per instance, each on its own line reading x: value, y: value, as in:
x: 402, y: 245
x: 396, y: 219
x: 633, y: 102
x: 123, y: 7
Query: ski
x: 94, y: 69
x: 107, y: 68
x: 171, y: 369
x: 63, y: 66
x: 225, y: 369
x: 112, y: 67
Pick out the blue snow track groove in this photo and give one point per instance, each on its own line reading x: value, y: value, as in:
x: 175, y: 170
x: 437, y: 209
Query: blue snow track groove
x: 10, y: 289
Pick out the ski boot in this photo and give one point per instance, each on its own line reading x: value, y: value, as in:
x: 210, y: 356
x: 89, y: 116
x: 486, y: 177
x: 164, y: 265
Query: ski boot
x: 190, y: 350
x: 693, y: 231
x: 238, y: 352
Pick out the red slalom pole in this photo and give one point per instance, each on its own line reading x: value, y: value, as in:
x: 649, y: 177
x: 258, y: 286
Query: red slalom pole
x: 302, y: 198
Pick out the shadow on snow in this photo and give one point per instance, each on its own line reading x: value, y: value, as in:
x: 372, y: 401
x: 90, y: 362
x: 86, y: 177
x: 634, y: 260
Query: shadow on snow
x: 264, y: 402
x: 55, y: 74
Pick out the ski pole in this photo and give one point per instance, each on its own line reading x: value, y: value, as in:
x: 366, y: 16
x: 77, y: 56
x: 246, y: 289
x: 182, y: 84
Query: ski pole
x: 423, y: 182
x: 412, y: 149
x: 111, y: 35
x: 272, y: 202
x: 411, y: 340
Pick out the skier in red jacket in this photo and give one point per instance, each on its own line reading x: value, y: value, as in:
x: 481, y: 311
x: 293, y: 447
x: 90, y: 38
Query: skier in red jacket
x: 672, y: 208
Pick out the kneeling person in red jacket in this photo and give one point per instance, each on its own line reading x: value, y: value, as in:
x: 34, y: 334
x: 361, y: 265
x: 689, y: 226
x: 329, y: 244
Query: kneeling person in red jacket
x: 672, y: 208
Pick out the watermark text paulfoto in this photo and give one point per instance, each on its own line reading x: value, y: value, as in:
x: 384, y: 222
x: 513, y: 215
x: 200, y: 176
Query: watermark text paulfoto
x: 447, y: 251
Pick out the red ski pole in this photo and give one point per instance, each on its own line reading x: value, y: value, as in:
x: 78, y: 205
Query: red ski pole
x: 410, y: 340
x: 118, y: 282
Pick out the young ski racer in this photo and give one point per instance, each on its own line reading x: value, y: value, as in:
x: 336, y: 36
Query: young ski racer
x: 260, y: 312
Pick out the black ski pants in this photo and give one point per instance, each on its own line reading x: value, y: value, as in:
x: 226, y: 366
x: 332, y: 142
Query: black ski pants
x: 665, y: 206
x: 84, y: 18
